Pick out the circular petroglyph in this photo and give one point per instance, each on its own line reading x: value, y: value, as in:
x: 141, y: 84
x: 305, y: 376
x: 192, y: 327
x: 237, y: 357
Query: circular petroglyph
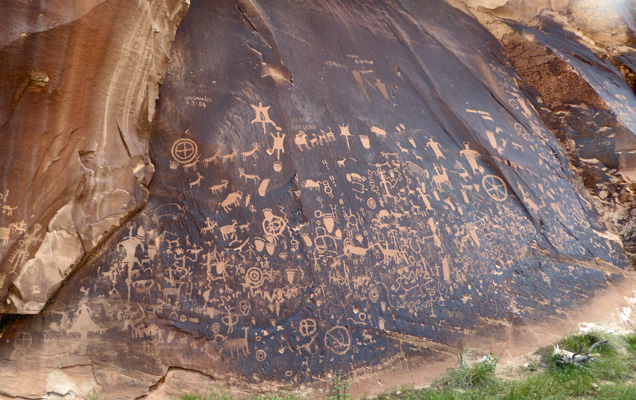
x: 307, y: 326
x: 337, y: 339
x: 495, y: 187
x: 23, y: 340
x: 521, y: 130
x: 273, y: 225
x: 254, y: 277
x: 184, y: 150
x: 374, y: 294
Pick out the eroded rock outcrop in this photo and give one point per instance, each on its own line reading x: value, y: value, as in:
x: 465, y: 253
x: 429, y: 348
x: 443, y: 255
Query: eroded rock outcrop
x: 338, y: 187
x: 80, y: 83
x: 572, y: 55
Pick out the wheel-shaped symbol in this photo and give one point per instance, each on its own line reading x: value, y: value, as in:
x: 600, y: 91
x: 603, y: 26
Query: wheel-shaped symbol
x: 495, y: 187
x: 273, y: 225
x: 184, y: 150
x: 307, y: 326
x: 254, y: 278
x: 337, y: 339
x: 23, y: 340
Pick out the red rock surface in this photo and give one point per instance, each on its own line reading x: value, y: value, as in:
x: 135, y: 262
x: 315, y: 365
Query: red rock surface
x: 256, y: 195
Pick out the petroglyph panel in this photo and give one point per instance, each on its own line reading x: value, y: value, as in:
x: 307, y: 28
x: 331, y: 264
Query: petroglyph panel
x: 347, y: 210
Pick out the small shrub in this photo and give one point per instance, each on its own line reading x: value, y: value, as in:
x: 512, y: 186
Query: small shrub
x: 341, y: 388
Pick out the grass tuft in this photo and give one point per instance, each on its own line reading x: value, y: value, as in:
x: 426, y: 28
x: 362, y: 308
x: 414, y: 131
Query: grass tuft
x: 471, y: 372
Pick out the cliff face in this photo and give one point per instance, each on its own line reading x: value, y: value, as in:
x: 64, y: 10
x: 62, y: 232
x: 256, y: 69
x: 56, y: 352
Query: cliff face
x: 315, y: 188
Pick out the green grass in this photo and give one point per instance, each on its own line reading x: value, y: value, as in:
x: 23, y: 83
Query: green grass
x: 610, y: 375
x: 221, y: 396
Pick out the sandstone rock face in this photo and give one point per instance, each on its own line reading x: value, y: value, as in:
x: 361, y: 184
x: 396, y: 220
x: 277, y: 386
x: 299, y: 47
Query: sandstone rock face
x: 79, y: 90
x: 336, y: 187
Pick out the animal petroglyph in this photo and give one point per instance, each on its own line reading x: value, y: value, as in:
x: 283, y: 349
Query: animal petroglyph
x: 441, y: 177
x: 192, y: 164
x: 229, y: 157
x: 232, y: 200
x: 311, y: 185
x: 197, y: 181
x: 252, y: 152
x: 220, y: 187
x: 229, y: 231
x: 248, y: 177
x: 301, y: 141
x: 214, y: 159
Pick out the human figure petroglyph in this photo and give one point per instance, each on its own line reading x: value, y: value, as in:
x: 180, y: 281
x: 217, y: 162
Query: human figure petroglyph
x: 252, y: 152
x: 220, y: 187
x: 279, y: 144
x: 353, y: 220
x: 435, y: 146
x: 386, y: 185
x: 262, y: 116
x: 471, y: 157
x: 344, y: 132
x: 129, y: 245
